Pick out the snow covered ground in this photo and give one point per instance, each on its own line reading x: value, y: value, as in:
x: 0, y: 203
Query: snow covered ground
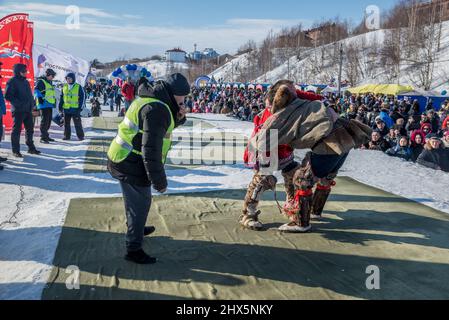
x: 35, y: 194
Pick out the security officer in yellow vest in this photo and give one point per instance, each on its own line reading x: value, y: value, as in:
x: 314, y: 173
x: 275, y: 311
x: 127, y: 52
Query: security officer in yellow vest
x: 45, y: 94
x: 138, y: 154
x: 71, y: 104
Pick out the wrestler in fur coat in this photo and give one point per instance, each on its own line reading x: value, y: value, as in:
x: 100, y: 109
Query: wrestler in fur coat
x: 306, y: 124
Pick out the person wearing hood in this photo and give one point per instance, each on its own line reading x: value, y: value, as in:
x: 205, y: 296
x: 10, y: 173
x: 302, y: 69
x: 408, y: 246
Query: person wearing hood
x: 70, y: 105
x: 418, y: 140
x: 128, y: 92
x: 137, y: 155
x: 426, y: 128
x: 445, y: 125
x: 18, y: 92
x: 45, y: 94
x: 381, y: 126
x: 385, y: 116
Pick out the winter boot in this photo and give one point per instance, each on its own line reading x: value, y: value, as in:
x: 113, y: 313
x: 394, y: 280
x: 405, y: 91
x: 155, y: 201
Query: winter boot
x: 140, y: 257
x: 301, y: 222
x: 34, y: 151
x: 291, y: 205
x: 149, y: 230
x: 322, y: 192
x: 250, y: 217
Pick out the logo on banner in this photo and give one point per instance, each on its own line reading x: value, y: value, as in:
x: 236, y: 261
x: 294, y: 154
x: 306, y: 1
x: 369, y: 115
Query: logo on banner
x: 16, y: 43
x: 9, y: 48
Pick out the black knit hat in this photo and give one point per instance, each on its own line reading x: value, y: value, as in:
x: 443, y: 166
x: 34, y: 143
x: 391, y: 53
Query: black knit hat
x: 432, y: 136
x: 178, y: 84
x: 50, y: 72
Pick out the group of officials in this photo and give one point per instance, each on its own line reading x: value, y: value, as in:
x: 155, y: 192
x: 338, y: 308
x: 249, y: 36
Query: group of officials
x: 25, y: 104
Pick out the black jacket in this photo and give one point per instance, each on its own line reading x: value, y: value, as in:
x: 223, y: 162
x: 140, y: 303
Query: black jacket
x: 416, y: 151
x: 18, y: 91
x: 435, y: 158
x: 154, y: 120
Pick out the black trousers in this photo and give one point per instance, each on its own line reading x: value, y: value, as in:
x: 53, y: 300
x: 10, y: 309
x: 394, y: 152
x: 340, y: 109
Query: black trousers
x: 46, y: 116
x: 324, y: 165
x: 26, y: 119
x: 78, y: 126
x: 137, y: 207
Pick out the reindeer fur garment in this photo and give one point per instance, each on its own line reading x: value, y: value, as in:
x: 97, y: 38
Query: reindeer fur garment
x: 306, y: 124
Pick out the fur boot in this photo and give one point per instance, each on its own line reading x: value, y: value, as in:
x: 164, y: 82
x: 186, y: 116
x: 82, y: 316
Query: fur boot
x: 301, y: 221
x: 321, y: 196
x: 250, y: 216
x: 290, y: 204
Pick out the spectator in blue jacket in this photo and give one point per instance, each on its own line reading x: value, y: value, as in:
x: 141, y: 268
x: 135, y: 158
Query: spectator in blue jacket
x: 402, y: 150
x: 385, y: 116
x: 45, y: 94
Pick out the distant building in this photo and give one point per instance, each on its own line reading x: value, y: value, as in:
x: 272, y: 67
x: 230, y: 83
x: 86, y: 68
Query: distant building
x: 324, y: 34
x: 175, y: 55
x: 208, y: 53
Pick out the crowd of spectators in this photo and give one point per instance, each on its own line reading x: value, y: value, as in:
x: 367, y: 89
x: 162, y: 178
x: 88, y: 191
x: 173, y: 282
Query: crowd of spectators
x: 241, y: 103
x: 401, y: 128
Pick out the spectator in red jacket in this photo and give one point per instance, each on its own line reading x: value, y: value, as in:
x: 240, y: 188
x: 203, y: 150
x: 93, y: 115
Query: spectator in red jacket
x: 446, y: 124
x: 128, y: 93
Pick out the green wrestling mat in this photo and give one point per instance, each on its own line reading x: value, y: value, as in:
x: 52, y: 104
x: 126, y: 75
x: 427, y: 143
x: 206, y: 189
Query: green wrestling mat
x: 204, y: 254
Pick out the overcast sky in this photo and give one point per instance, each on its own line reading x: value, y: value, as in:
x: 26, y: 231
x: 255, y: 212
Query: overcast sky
x: 135, y: 28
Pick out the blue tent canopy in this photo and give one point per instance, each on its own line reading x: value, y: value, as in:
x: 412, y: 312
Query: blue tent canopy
x: 423, y: 99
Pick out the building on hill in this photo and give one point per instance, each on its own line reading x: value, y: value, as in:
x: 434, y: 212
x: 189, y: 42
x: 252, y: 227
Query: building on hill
x: 326, y: 33
x: 208, y: 53
x: 175, y: 55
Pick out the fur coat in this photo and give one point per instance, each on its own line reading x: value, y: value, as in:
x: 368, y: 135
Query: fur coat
x: 306, y: 124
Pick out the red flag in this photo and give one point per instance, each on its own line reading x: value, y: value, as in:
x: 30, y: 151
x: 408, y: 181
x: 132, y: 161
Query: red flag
x: 16, y: 46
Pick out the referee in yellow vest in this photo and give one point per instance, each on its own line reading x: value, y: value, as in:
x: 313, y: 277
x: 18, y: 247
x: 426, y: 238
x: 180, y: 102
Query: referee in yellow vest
x: 72, y: 102
x: 46, y: 101
x: 138, y: 154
